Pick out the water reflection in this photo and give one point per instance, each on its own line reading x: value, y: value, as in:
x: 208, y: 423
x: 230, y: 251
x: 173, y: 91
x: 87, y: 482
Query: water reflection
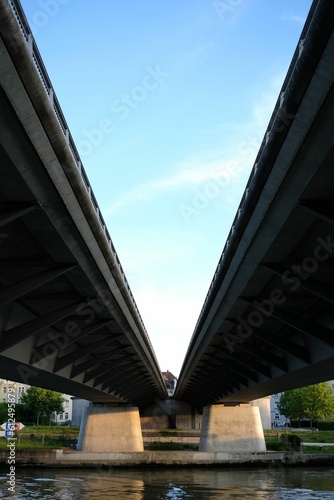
x: 170, y: 484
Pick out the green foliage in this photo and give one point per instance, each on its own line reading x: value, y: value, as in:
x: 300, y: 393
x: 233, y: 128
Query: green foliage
x: 21, y: 414
x: 292, y: 441
x: 284, y: 442
x: 313, y: 402
x: 51, y: 430
x: 291, y: 404
x: 324, y: 425
x: 169, y: 446
x: 319, y: 401
x: 168, y: 432
x: 3, y: 412
x: 275, y: 445
x: 41, y: 403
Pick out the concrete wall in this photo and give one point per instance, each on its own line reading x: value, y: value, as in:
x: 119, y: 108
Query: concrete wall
x: 231, y: 429
x: 265, y: 412
x: 78, y: 408
x: 169, y: 411
x: 110, y: 429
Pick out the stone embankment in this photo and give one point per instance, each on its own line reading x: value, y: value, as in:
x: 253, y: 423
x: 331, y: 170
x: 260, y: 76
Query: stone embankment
x: 71, y: 458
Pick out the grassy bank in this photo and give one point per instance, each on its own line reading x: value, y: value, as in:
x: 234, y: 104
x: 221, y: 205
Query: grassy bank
x: 48, y: 437
x: 51, y: 437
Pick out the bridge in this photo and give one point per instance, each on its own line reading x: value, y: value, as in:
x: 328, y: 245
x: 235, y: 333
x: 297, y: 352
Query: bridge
x: 69, y: 321
x: 267, y: 324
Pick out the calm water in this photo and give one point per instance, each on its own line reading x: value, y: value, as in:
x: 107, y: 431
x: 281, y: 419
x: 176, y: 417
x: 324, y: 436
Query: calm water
x: 168, y: 484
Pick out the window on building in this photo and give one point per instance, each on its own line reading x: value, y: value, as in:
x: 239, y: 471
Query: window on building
x: 4, y: 389
x: 21, y: 389
x: 61, y: 416
x: 66, y: 416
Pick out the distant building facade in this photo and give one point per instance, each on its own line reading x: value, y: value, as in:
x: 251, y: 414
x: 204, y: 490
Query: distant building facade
x: 277, y: 418
x: 170, y: 382
x: 17, y: 389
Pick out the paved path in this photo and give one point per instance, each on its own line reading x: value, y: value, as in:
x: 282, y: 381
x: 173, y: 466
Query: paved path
x: 318, y: 444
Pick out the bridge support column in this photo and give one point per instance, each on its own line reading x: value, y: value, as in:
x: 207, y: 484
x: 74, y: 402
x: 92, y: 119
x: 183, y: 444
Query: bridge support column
x: 231, y: 429
x: 110, y: 429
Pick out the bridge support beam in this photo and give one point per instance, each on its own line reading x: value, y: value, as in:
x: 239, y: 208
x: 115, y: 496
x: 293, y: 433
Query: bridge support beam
x: 231, y: 429
x: 110, y: 429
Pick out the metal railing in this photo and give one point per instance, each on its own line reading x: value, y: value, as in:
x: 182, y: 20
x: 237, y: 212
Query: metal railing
x: 44, y: 77
x: 281, y: 102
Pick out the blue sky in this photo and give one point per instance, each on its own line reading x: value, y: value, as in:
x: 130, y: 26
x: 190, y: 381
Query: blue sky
x: 168, y: 104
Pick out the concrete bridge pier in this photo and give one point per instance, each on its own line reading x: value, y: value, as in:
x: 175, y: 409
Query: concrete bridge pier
x: 110, y: 429
x: 231, y: 429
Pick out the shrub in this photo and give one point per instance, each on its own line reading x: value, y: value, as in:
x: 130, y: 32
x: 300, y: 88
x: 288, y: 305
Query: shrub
x: 274, y: 445
x: 292, y: 441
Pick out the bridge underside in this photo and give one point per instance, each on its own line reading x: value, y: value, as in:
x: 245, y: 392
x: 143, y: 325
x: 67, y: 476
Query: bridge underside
x: 267, y: 324
x: 68, y: 320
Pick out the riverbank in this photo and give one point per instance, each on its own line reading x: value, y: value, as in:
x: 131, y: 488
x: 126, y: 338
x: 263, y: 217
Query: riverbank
x: 69, y: 458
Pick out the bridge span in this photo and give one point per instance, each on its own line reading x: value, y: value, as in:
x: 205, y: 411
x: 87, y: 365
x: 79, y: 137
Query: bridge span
x: 68, y: 319
x: 267, y: 324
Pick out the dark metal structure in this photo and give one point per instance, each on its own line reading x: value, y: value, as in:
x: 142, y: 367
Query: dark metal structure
x: 267, y: 324
x: 68, y: 320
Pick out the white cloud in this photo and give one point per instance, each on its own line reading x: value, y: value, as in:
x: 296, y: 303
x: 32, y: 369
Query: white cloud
x: 243, y: 144
x: 192, y: 172
x: 290, y: 17
x: 170, y: 322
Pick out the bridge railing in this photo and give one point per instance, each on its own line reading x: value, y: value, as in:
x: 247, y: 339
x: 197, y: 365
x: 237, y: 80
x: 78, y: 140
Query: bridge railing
x: 280, y: 118
x: 44, y: 77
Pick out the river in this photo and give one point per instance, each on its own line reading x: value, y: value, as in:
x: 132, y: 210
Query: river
x: 167, y: 484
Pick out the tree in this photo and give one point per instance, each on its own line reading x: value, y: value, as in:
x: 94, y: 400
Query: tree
x: 313, y: 402
x: 20, y: 413
x: 319, y: 401
x: 42, y: 403
x: 291, y: 404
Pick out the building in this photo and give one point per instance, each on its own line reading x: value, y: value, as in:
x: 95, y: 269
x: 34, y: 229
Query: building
x: 277, y: 419
x: 17, y: 389
x: 170, y: 382
x: 66, y: 416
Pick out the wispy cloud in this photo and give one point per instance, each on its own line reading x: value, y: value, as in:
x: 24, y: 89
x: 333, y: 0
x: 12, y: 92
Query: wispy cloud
x: 238, y: 147
x: 193, y: 172
x: 290, y: 17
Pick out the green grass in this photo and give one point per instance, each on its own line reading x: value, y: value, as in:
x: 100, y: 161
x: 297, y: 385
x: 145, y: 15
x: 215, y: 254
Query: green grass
x: 43, y: 437
x: 52, y: 430
x: 50, y: 437
x: 169, y: 446
x: 306, y: 436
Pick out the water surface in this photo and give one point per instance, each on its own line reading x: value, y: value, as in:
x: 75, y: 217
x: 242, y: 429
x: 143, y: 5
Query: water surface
x: 166, y: 484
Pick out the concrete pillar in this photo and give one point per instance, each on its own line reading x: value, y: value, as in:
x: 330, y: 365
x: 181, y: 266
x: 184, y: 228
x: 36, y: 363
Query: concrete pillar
x: 110, y: 429
x: 78, y: 406
x: 264, y: 407
x: 232, y: 429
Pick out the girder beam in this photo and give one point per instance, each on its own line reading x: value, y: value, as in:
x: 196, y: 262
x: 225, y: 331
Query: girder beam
x: 12, y: 211
x: 86, y: 365
x: 298, y: 323
x: 17, y: 290
x: 15, y: 335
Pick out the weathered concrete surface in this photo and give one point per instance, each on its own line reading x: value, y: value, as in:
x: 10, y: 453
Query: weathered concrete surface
x: 60, y: 458
x: 231, y: 429
x: 110, y: 429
